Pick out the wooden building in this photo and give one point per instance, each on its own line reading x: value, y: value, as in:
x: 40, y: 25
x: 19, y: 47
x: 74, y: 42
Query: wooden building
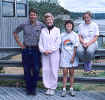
x: 12, y: 13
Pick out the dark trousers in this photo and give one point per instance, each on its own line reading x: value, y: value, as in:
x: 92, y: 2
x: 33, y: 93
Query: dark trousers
x: 31, y: 63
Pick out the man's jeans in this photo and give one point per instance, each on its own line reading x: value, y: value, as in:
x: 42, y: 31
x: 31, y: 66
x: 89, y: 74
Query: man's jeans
x: 31, y: 63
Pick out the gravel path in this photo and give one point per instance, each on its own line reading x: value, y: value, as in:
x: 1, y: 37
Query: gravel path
x: 9, y: 93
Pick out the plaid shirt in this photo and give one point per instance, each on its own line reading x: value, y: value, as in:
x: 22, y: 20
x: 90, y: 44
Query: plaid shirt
x: 31, y: 32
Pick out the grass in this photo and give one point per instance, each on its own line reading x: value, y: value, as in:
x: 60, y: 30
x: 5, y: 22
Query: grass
x: 82, y: 74
x: 101, y: 74
x: 77, y: 86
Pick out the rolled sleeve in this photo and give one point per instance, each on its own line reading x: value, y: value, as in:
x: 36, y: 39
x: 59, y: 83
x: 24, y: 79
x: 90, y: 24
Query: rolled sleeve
x: 19, y: 28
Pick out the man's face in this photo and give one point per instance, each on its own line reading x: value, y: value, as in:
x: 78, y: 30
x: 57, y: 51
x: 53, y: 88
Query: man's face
x: 33, y: 16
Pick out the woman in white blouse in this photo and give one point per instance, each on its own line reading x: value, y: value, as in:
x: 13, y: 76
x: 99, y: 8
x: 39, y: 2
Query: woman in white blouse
x: 49, y: 44
x: 88, y: 35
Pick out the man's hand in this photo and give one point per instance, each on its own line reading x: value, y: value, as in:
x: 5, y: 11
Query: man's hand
x: 21, y: 45
x: 18, y: 41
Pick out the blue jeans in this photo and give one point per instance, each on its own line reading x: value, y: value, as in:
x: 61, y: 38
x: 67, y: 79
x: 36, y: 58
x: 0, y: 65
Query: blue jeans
x: 86, y: 55
x: 31, y: 64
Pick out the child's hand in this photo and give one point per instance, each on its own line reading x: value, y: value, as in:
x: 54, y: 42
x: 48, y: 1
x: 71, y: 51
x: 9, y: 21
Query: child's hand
x: 72, y: 60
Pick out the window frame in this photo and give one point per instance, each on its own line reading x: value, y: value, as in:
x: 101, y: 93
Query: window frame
x: 25, y: 5
x: 15, y: 8
x: 12, y: 7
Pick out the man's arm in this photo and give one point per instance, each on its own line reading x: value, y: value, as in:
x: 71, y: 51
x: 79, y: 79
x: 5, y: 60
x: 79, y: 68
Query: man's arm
x: 15, y: 33
x: 18, y: 41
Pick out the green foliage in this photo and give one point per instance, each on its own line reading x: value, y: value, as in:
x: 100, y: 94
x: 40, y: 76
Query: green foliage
x: 1, y: 70
x: 101, y: 74
x: 12, y: 83
x: 103, y: 45
x: 44, y: 7
x: 77, y: 86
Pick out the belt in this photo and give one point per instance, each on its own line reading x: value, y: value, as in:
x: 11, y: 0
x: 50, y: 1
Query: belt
x: 31, y: 46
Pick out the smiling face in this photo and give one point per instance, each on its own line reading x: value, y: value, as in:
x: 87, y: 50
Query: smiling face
x: 69, y: 27
x: 33, y: 16
x: 49, y: 21
x: 87, y: 18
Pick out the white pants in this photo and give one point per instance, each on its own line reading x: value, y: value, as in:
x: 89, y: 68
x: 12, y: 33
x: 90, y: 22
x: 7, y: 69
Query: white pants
x: 50, y: 67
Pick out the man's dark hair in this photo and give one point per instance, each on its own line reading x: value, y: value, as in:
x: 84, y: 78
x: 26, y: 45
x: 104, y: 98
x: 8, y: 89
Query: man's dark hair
x: 32, y: 10
x: 71, y: 22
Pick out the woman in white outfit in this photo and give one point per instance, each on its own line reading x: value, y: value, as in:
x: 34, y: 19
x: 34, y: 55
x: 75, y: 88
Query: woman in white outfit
x: 88, y: 35
x: 49, y: 44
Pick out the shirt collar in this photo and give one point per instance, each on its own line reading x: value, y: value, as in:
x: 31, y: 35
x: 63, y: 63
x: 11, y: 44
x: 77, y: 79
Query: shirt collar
x: 28, y: 22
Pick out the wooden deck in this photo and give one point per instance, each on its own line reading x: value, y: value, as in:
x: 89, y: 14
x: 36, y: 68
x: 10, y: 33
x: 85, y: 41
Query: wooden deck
x: 11, y: 93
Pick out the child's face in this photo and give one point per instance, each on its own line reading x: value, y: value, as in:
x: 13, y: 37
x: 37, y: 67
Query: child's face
x: 69, y: 27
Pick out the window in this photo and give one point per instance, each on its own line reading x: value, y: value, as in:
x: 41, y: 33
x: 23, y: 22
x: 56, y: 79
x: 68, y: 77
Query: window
x: 8, y: 0
x: 21, y: 1
x: 21, y: 10
x: 8, y: 9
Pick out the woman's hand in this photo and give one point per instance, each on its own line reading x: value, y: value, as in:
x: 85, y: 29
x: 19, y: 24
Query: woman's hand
x: 86, y: 45
x: 47, y: 52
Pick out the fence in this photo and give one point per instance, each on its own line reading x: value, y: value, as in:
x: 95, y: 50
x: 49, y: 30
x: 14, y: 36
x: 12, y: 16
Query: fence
x: 13, y: 63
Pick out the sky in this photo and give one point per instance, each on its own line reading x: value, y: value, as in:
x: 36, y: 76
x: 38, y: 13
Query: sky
x: 95, y: 6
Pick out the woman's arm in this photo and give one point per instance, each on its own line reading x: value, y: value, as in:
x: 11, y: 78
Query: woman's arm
x: 57, y: 41
x: 92, y: 41
x: 82, y: 41
x: 40, y: 44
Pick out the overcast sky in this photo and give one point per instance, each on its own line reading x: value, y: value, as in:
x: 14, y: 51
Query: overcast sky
x: 96, y: 6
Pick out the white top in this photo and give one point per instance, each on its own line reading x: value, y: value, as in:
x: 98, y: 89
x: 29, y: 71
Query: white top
x: 69, y: 42
x: 88, y: 31
x: 49, y: 41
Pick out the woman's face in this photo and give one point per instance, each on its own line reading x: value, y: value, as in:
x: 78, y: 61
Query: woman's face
x: 87, y: 18
x: 69, y: 27
x: 49, y: 21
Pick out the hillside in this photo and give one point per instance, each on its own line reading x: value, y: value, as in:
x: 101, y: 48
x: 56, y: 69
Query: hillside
x: 55, y: 9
